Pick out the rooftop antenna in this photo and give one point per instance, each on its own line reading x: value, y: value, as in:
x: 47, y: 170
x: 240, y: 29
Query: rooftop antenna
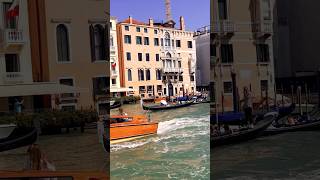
x: 168, y: 10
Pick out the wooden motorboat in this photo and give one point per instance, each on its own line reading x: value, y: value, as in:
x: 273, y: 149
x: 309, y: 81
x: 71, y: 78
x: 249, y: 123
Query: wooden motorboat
x: 126, y: 128
x: 66, y: 175
x: 242, y: 134
x: 165, y: 107
x: 6, y: 130
x: 18, y: 138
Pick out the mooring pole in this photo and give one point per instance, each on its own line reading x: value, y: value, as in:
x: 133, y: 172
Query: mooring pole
x: 306, y: 88
x: 299, y: 97
x: 292, y: 98
x: 282, y: 101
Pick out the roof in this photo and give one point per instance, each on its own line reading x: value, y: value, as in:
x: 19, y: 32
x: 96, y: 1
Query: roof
x: 133, y: 22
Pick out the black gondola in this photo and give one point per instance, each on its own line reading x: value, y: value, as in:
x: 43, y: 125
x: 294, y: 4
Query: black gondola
x: 169, y: 106
x: 18, y: 138
x: 115, y: 105
x: 304, y: 124
x: 243, y: 135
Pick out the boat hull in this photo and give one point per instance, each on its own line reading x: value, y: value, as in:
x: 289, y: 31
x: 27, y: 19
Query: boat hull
x: 6, y: 130
x: 241, y: 136
x: 19, y: 137
x: 126, y: 132
x: 159, y: 107
x: 311, y: 126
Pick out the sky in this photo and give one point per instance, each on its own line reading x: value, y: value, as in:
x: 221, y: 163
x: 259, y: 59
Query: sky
x: 196, y: 13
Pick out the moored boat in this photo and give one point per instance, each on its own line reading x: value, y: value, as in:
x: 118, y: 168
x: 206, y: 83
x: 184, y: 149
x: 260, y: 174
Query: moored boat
x: 18, y: 138
x: 242, y: 134
x: 166, y: 107
x: 115, y: 105
x: 6, y: 130
x: 300, y: 123
x: 127, y: 128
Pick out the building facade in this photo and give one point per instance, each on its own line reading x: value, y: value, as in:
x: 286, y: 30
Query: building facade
x: 156, y: 59
x: 202, y: 39
x: 76, y: 51
x: 114, y: 63
x: 242, y: 51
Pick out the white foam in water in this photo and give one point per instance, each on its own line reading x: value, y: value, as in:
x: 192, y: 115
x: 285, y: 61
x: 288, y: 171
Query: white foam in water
x: 168, y: 130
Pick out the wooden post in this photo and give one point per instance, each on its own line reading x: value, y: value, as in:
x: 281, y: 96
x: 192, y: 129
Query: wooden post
x: 282, y: 101
x: 299, y: 99
x: 275, y: 95
x: 306, y: 89
x: 292, y: 98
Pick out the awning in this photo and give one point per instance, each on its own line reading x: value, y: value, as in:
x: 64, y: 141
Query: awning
x: 121, y: 90
x: 41, y: 88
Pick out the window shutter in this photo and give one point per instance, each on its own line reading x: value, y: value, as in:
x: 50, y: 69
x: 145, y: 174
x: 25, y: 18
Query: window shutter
x: 92, y: 43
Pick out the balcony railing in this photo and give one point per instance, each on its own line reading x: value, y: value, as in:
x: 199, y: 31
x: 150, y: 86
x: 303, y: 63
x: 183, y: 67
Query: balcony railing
x: 223, y: 26
x: 172, y: 70
x: 112, y: 49
x: 13, y: 37
x: 114, y: 73
x: 264, y: 27
x: 13, y: 77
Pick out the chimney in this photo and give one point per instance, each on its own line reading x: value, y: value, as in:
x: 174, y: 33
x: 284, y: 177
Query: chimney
x: 130, y: 20
x: 182, y: 25
x: 151, y: 22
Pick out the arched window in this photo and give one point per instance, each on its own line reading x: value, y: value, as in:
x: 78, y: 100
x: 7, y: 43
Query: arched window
x: 129, y: 75
x: 167, y: 39
x: 168, y: 55
x: 141, y: 74
x: 62, y: 43
x: 158, y: 74
x: 148, y: 75
x: 98, y: 42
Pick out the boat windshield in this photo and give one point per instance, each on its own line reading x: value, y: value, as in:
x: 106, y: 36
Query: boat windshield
x: 120, y: 120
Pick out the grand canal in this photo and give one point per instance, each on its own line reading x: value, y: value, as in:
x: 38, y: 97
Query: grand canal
x: 286, y: 156
x: 179, y: 151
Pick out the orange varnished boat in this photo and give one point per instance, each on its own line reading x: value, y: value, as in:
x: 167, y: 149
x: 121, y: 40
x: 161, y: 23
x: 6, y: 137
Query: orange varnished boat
x: 67, y: 175
x: 126, y: 128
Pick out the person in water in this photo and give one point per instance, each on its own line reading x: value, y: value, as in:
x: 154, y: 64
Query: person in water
x: 247, y: 107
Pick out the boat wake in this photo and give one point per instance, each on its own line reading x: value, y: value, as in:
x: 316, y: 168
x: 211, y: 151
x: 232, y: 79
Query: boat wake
x: 169, y: 131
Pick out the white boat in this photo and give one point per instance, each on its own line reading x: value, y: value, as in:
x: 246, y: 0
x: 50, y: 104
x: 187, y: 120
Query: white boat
x: 6, y: 130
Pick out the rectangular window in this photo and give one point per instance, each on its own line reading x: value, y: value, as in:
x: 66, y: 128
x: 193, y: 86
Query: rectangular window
x: 226, y: 53
x: 139, y: 40
x: 172, y: 43
x: 147, y: 57
x: 68, y: 82
x: 161, y: 41
x: 189, y: 44
x: 264, y: 85
x: 222, y: 8
x: 126, y: 28
x: 148, y: 75
x: 179, y: 64
x: 10, y: 23
x: 129, y: 75
x: 127, y: 39
x: 180, y: 78
x: 157, y: 57
x: 145, y: 30
x: 178, y: 43
x: 266, y: 9
x: 191, y: 78
x: 12, y: 63
x: 155, y: 31
x: 262, y: 53
x: 128, y: 56
x: 146, y: 40
x: 100, y: 85
x: 227, y: 87
x: 139, y: 56
x: 114, y: 81
x: 142, y: 89
x: 141, y: 74
x: 156, y: 41
x: 138, y: 29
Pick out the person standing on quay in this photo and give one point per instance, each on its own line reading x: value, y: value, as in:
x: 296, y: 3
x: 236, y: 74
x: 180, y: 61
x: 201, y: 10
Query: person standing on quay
x: 248, y: 106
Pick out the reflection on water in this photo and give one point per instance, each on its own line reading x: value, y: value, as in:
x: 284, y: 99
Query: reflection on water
x: 74, y: 151
x: 285, y: 156
x: 180, y: 150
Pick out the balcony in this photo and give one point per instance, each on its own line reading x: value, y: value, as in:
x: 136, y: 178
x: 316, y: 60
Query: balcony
x: 112, y: 49
x: 172, y: 70
x: 13, y: 77
x: 168, y: 48
x: 223, y: 27
x: 13, y: 37
x: 263, y: 29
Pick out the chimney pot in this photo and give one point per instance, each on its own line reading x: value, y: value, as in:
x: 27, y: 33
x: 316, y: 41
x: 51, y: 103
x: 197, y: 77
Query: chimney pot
x: 151, y: 22
x: 182, y: 25
x: 130, y: 20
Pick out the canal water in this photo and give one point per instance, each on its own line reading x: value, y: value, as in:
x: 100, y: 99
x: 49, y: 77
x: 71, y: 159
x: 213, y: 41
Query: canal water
x: 75, y: 151
x: 180, y: 150
x: 291, y: 156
